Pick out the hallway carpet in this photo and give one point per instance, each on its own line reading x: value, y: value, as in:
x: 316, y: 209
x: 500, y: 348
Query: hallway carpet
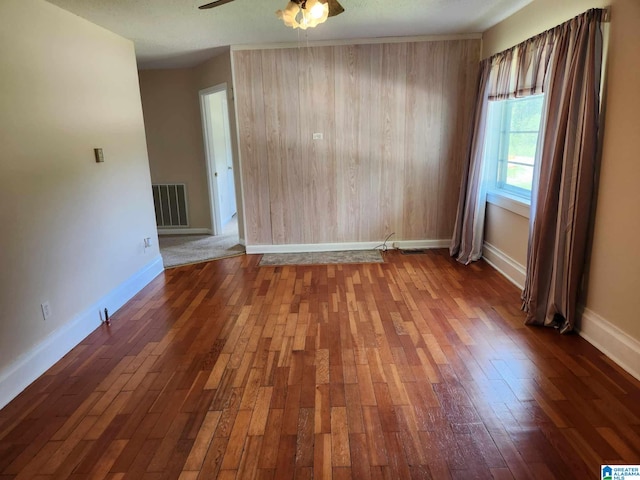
x: 179, y: 250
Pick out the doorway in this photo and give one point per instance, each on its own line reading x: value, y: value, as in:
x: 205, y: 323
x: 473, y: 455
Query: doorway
x: 219, y: 155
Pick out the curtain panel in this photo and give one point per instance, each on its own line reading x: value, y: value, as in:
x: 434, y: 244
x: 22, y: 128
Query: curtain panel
x: 468, y: 229
x: 565, y: 64
x: 564, y: 195
x: 517, y: 72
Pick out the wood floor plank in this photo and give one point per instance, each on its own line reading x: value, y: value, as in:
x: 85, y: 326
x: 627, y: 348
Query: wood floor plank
x: 202, y: 442
x: 340, y: 455
x: 414, y: 368
x: 237, y: 439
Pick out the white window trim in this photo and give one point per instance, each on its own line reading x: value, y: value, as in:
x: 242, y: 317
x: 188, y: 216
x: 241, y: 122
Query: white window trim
x: 518, y: 205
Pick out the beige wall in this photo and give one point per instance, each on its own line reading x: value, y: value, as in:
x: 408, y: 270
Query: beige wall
x: 174, y: 136
x: 614, y: 278
x: 507, y: 231
x: 389, y: 160
x: 171, y: 103
x: 72, y: 229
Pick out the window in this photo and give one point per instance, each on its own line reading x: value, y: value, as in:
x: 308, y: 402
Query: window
x: 512, y: 139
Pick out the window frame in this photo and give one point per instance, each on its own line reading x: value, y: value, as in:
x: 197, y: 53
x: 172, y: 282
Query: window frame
x: 497, y: 149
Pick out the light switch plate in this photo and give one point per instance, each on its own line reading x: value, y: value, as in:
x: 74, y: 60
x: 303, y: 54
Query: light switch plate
x: 99, y: 155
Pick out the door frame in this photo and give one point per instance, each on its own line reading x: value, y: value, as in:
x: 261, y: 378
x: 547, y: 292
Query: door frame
x: 214, y: 194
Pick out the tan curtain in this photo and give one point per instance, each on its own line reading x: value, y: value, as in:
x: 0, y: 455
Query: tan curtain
x: 466, y: 243
x: 564, y: 63
x: 562, y: 205
x: 516, y: 72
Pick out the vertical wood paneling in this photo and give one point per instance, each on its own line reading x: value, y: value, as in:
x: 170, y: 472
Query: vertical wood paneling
x: 460, y: 74
x: 375, y: 142
x: 425, y: 84
x: 353, y: 84
x: 317, y: 115
x: 281, y: 99
x: 395, y: 120
x: 249, y: 92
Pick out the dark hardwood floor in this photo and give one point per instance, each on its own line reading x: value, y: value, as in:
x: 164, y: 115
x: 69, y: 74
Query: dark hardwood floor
x: 415, y: 368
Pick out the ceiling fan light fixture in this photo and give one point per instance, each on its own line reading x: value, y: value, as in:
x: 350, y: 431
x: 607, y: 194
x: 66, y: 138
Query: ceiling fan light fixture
x: 304, y: 14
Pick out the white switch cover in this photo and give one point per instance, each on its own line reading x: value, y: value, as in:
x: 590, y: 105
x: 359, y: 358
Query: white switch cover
x: 318, y: 136
x: 46, y: 310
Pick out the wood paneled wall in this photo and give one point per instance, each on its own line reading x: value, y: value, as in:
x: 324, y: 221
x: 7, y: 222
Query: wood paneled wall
x: 395, y: 119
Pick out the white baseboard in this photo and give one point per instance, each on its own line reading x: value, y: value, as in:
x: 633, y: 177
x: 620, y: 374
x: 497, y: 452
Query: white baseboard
x: 36, y: 361
x: 185, y: 231
x: 619, y: 346
x: 507, y: 266
x: 339, y: 247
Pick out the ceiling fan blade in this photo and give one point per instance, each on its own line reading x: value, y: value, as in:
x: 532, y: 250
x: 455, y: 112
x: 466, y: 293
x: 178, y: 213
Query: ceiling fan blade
x: 334, y: 8
x: 217, y: 3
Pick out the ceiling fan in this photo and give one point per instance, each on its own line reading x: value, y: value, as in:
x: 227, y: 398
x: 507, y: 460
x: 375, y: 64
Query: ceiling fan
x: 334, y: 6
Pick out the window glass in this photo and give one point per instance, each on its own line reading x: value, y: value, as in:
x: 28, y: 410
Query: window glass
x: 513, y: 136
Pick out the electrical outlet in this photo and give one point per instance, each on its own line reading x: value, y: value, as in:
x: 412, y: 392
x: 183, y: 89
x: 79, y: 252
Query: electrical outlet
x: 46, y: 310
x: 147, y: 242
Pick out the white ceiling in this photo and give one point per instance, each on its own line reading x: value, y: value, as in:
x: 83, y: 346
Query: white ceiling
x: 174, y: 33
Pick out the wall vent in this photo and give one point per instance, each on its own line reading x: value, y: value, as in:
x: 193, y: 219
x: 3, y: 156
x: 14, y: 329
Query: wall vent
x: 170, y: 201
